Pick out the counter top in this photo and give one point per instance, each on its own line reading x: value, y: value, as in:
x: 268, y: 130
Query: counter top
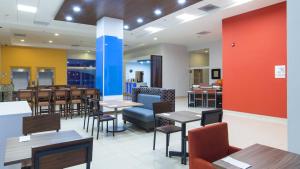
x: 13, y: 108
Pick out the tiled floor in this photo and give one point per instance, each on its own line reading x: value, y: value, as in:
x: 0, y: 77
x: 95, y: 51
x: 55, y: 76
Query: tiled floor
x: 133, y: 149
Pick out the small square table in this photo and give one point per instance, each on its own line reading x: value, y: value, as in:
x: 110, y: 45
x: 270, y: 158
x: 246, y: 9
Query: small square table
x: 182, y: 117
x: 117, y: 104
x: 260, y: 156
x: 18, y: 152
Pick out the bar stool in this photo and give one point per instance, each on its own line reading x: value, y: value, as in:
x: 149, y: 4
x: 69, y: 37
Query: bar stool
x: 199, y: 97
x: 75, y: 99
x: 43, y: 99
x: 60, y: 98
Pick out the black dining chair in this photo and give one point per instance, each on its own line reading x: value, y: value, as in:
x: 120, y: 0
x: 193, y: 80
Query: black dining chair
x: 166, y: 127
x: 211, y: 116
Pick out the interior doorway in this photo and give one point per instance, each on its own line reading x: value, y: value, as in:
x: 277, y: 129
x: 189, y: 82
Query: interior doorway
x: 45, y: 76
x: 20, y: 78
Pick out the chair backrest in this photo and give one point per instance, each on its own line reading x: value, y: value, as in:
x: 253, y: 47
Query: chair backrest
x: 162, y: 107
x: 60, y: 94
x: 25, y: 95
x: 209, y: 143
x: 75, y: 94
x: 44, y: 94
x: 91, y: 92
x: 41, y: 123
x: 147, y: 100
x: 63, y: 155
x: 211, y: 116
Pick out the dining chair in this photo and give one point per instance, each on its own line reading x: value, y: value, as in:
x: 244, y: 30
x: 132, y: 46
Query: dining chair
x: 208, y: 144
x: 26, y: 95
x: 98, y: 115
x: 42, y: 123
x: 87, y: 107
x: 75, y: 99
x: 60, y: 98
x: 43, y: 99
x: 199, y: 98
x: 211, y: 116
x: 63, y: 155
x: 166, y: 127
x: 211, y: 98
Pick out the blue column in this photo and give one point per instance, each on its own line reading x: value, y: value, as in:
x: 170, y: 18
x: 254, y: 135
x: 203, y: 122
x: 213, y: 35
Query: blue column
x: 109, y: 57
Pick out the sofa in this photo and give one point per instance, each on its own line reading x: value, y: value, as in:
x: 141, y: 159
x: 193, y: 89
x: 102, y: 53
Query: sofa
x: 143, y: 116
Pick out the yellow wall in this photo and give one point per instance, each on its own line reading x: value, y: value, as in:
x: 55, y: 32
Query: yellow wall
x: 34, y: 58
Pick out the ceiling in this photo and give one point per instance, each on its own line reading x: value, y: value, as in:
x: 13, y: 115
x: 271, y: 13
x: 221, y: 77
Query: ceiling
x: 39, y: 28
x: 127, y: 10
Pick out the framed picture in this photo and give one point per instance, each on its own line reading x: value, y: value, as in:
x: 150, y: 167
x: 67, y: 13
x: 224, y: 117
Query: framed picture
x: 216, y: 73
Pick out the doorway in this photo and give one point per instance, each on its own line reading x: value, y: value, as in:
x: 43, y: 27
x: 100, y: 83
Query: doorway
x: 45, y: 76
x: 20, y: 78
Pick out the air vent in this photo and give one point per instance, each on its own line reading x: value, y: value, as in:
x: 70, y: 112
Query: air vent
x: 19, y: 34
x: 75, y: 45
x: 208, y: 8
x: 41, y: 23
x: 203, y: 33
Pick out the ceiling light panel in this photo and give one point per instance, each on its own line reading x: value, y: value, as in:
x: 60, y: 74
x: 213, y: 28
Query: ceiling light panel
x: 237, y: 3
x: 152, y: 29
x: 187, y: 17
x: 26, y: 8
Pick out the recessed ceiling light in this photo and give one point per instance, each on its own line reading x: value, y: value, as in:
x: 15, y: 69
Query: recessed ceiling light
x: 153, y: 29
x: 155, y: 38
x: 56, y: 34
x: 76, y: 9
x: 140, y: 20
x: 50, y: 41
x: 88, y: 51
x: 181, y: 2
x: 157, y: 12
x: 126, y: 27
x: 27, y: 8
x: 22, y: 40
x: 187, y: 17
x: 69, y: 18
x: 206, y: 51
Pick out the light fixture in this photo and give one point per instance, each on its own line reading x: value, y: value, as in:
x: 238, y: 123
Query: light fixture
x: 22, y: 40
x: 186, y: 17
x: 126, y: 27
x: 69, y: 18
x: 88, y: 51
x: 155, y: 38
x: 140, y: 20
x: 206, y: 51
x: 238, y: 2
x: 76, y: 9
x: 157, y: 12
x: 27, y: 8
x: 181, y: 2
x: 153, y: 29
x: 56, y: 34
x: 50, y: 41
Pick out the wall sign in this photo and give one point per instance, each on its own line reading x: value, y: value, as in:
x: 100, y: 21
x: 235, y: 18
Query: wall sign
x: 280, y: 72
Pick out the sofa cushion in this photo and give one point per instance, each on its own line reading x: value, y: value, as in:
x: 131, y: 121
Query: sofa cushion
x: 148, y: 100
x: 139, y: 113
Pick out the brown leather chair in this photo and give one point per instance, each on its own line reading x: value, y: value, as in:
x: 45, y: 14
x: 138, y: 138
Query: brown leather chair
x: 42, y: 123
x: 43, y: 99
x: 165, y: 127
x: 208, y: 144
x: 63, y: 155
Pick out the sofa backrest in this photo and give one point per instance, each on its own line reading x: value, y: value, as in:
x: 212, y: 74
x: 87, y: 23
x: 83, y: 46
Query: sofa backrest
x: 148, y: 100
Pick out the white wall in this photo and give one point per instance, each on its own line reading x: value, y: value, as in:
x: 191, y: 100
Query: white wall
x: 175, y: 64
x: 215, y: 54
x: 134, y: 66
x: 82, y: 55
x: 293, y: 24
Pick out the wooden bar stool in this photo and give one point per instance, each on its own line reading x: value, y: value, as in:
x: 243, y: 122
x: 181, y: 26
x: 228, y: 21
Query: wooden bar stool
x: 75, y: 99
x: 43, y: 98
x: 60, y: 98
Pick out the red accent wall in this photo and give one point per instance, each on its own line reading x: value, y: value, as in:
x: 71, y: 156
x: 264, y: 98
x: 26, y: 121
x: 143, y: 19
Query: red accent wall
x: 260, y: 39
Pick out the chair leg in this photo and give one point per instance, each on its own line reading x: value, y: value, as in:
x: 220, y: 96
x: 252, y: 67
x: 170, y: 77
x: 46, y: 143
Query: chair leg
x: 93, y: 126
x: 167, y: 144
x: 154, y: 139
x: 113, y: 131
x: 98, y: 128
x: 88, y: 123
x: 102, y: 126
x: 84, y: 120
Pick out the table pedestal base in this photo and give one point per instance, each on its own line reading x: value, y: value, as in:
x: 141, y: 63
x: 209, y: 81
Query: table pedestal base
x: 178, y: 154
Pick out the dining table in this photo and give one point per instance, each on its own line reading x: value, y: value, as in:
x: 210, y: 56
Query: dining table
x: 116, y: 105
x: 182, y: 117
x: 261, y: 157
x: 20, y: 152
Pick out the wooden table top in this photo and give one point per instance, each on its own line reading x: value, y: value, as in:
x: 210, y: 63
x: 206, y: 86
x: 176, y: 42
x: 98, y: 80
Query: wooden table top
x: 17, y: 152
x: 181, y: 116
x: 260, y: 156
x: 119, y: 103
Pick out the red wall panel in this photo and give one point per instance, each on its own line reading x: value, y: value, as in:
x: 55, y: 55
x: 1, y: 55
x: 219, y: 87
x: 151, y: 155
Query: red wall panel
x: 260, y: 39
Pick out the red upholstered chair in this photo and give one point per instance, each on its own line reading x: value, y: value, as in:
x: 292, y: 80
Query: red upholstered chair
x: 208, y: 144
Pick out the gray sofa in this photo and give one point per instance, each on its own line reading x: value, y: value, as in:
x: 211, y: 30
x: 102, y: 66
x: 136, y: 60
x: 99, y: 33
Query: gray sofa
x: 143, y: 116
